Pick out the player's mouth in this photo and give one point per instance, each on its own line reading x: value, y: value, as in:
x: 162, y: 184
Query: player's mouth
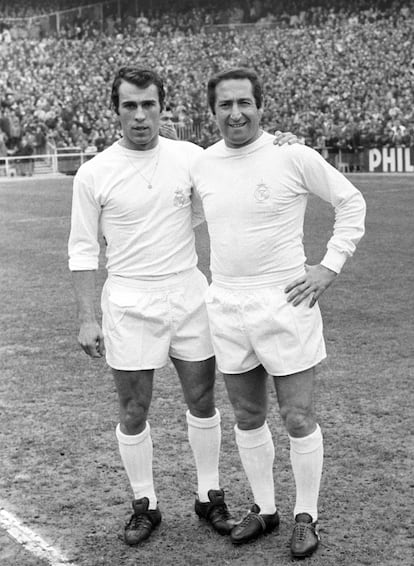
x: 140, y: 129
x: 238, y: 125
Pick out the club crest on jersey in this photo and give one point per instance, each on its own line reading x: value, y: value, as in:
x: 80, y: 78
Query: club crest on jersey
x: 262, y: 192
x: 180, y: 198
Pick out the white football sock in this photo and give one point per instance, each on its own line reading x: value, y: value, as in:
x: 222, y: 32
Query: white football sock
x: 306, y: 456
x: 204, y: 436
x: 257, y: 454
x: 136, y: 455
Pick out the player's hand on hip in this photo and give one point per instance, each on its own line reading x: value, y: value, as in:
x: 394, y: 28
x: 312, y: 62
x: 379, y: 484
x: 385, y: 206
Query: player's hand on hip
x: 281, y: 138
x: 313, y: 283
x: 91, y: 339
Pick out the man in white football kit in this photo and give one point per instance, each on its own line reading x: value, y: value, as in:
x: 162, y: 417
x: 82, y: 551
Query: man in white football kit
x: 262, y: 303
x: 138, y: 193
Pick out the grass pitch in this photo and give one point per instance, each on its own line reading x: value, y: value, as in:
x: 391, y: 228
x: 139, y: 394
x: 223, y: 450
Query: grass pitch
x: 60, y: 469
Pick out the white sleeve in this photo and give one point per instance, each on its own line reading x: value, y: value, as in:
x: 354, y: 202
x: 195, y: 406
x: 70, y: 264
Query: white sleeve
x: 320, y: 178
x: 197, y: 211
x: 83, y: 245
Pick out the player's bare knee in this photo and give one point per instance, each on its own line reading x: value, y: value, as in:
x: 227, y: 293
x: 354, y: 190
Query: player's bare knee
x: 202, y: 407
x: 249, y: 418
x: 200, y: 400
x: 202, y: 410
x: 133, y: 416
x: 299, y: 422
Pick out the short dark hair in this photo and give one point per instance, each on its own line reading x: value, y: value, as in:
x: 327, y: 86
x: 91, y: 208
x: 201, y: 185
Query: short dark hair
x: 141, y: 78
x: 237, y: 73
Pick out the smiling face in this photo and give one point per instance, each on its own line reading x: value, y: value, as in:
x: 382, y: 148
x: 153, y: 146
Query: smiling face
x: 139, y: 114
x: 237, y: 115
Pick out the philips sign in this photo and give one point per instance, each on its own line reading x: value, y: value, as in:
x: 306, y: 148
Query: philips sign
x: 391, y: 160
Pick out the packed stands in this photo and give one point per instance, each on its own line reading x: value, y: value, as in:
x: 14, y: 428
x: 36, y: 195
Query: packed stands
x: 339, y: 74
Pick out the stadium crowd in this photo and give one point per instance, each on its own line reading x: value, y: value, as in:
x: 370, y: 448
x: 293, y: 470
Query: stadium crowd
x: 340, y: 73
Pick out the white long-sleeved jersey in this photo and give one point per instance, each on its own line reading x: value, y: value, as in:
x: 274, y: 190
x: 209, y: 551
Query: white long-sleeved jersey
x: 148, y: 231
x: 254, y: 200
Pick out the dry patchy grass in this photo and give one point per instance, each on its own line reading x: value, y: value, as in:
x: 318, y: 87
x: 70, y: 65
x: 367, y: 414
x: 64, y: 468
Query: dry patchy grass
x: 61, y: 472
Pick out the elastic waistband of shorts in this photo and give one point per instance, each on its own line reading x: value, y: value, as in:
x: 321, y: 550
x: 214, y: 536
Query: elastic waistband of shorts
x: 254, y: 282
x: 167, y: 282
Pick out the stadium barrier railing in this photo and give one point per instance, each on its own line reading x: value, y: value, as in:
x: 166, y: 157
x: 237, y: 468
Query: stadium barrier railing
x: 66, y: 161
x: 63, y: 162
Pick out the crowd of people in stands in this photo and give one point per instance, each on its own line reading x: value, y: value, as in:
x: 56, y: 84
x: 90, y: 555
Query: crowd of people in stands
x: 338, y: 74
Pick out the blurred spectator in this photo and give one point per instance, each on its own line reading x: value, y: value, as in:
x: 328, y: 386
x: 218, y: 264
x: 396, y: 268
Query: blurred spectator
x: 167, y: 128
x: 39, y: 139
x: 3, y: 147
x: 90, y: 147
x: 400, y: 134
x: 24, y: 149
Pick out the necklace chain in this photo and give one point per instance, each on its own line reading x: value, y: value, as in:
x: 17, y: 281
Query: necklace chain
x: 148, y: 181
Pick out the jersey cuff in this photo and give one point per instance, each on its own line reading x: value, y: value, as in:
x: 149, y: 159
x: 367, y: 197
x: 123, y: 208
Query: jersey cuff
x: 79, y: 264
x: 334, y: 260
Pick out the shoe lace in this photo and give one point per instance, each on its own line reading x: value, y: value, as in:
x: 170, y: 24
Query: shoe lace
x: 247, y: 519
x: 222, y: 510
x: 137, y: 520
x: 301, y: 530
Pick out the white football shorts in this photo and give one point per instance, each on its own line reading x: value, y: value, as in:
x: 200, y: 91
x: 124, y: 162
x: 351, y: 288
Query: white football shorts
x: 257, y: 326
x: 145, y: 322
